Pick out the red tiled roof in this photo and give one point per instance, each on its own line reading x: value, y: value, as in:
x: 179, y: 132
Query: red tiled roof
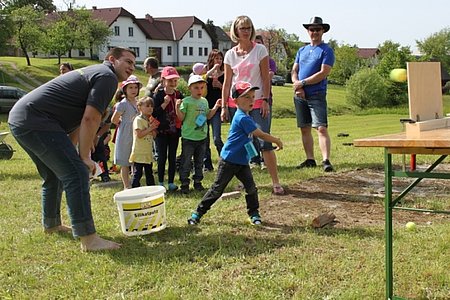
x: 368, y: 52
x: 182, y: 24
x: 156, y: 29
x: 110, y: 15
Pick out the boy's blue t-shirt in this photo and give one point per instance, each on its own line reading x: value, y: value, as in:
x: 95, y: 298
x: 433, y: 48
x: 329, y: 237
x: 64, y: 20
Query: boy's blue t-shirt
x: 240, y: 133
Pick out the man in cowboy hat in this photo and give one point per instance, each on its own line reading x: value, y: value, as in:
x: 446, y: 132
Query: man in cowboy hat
x: 311, y: 67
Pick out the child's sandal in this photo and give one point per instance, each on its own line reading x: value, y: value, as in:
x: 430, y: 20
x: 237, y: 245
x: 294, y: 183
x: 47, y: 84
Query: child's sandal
x: 278, y: 190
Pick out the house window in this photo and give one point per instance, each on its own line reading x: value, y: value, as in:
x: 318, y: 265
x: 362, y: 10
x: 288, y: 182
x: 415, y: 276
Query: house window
x: 205, y: 52
x: 130, y: 31
x: 191, y: 33
x: 116, y: 30
x: 191, y: 51
x: 136, y: 50
x: 184, y: 51
x: 169, y: 50
x: 81, y: 53
x: 200, y: 51
x: 199, y: 34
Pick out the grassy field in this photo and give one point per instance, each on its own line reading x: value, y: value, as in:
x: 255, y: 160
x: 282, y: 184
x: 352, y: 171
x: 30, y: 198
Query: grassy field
x: 225, y: 257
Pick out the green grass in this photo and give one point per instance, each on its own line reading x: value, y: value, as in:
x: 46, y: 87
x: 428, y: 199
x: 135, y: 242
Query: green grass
x: 224, y: 257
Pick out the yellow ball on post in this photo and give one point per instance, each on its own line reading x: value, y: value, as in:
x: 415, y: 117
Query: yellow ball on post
x: 398, y: 75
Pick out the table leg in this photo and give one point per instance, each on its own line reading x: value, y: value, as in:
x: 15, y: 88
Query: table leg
x: 388, y: 223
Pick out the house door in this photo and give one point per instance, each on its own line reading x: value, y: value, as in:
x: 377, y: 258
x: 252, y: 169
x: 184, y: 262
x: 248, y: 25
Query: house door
x: 155, y: 52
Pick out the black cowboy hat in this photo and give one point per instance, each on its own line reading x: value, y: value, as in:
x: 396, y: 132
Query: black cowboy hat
x: 317, y: 21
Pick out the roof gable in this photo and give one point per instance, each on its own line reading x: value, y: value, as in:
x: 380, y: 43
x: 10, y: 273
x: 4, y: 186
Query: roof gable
x: 181, y: 25
x: 156, y: 29
x: 368, y: 52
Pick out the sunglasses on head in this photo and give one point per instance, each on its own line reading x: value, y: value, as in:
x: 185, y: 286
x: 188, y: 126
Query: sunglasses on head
x: 315, y: 29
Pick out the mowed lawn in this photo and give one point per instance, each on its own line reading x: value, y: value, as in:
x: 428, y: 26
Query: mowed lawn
x: 224, y: 257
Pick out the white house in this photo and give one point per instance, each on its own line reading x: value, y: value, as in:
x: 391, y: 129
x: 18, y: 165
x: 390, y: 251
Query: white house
x: 173, y: 40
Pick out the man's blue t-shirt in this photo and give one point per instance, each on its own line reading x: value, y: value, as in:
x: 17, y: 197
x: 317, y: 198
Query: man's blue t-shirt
x: 310, y: 60
x: 240, y: 134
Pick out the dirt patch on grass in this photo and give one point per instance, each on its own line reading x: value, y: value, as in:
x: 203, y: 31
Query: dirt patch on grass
x: 355, y: 198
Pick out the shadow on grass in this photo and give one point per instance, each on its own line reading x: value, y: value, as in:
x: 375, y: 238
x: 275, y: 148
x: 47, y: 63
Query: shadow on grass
x: 189, y: 244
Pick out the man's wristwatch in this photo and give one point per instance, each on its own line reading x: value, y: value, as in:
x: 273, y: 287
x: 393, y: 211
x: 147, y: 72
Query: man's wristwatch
x: 265, y: 99
x: 303, y: 81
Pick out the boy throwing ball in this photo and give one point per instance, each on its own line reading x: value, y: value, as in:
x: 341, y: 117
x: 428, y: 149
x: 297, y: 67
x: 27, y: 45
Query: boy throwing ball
x: 236, y: 154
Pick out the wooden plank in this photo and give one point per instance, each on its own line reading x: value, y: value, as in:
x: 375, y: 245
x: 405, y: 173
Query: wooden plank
x: 433, y: 151
x: 414, y: 130
x: 424, y: 90
x: 438, y: 138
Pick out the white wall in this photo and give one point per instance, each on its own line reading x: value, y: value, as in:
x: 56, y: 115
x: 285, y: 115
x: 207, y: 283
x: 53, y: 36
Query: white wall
x: 138, y: 40
x: 195, y: 42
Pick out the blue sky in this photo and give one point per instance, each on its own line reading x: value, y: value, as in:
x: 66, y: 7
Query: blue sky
x: 364, y: 23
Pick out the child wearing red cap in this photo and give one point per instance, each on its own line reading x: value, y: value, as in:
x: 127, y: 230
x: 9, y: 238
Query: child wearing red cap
x: 236, y: 154
x: 169, y: 129
x: 123, y: 118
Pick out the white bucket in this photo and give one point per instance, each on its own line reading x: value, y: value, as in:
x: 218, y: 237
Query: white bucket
x: 141, y: 210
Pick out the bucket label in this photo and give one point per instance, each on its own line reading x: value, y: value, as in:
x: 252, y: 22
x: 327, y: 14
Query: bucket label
x: 143, y: 216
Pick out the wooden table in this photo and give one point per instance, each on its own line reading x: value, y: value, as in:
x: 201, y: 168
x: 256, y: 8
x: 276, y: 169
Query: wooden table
x: 433, y: 142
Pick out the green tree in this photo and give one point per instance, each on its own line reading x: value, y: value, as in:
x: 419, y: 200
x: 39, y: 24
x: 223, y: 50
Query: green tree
x: 57, y: 37
x: 39, y: 5
x: 366, y: 88
x: 211, y: 29
x: 6, y: 31
x: 437, y: 46
x: 346, y: 64
x: 27, y: 29
x: 98, y: 34
x: 394, y: 56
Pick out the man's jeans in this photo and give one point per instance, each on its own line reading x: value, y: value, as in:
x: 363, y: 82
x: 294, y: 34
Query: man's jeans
x: 61, y: 168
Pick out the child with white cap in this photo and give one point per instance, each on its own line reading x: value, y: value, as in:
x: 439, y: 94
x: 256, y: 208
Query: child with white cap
x: 193, y: 111
x: 236, y: 154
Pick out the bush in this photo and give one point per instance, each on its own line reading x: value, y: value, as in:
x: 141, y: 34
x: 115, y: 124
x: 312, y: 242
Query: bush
x: 366, y: 88
x: 183, y: 87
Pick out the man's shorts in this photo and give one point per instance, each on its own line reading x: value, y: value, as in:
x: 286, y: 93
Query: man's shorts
x: 311, y: 112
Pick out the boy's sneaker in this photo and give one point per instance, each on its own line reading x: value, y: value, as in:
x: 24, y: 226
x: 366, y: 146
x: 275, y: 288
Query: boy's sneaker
x: 172, y: 187
x: 309, y: 163
x: 198, y: 187
x: 194, y: 219
x: 254, y: 165
x: 327, y: 166
x: 256, y: 219
x: 105, y: 177
x: 161, y: 183
x: 184, y: 189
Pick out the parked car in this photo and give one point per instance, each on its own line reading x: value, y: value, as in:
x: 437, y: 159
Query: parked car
x: 278, y: 80
x: 9, y: 96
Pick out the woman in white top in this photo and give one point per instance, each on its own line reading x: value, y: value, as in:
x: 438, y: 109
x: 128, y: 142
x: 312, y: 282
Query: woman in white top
x: 249, y: 61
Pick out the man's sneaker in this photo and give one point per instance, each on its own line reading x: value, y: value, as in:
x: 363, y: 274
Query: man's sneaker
x: 309, y: 163
x: 172, y: 187
x: 198, y: 187
x: 194, y: 219
x: 327, y: 166
x: 263, y: 166
x: 161, y: 183
x: 256, y: 219
x: 184, y: 189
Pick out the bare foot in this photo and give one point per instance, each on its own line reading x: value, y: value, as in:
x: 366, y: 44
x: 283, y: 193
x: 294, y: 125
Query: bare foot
x: 93, y: 242
x: 57, y: 229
